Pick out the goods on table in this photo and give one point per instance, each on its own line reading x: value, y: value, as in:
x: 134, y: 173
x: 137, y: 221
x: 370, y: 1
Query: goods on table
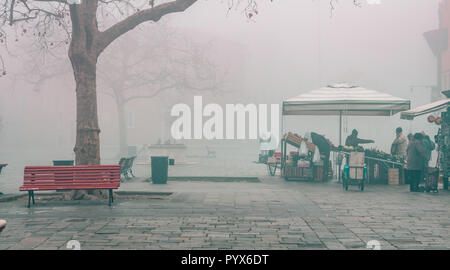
x: 345, y: 148
x: 374, y: 153
x: 293, y: 139
x: 303, y: 163
x: 295, y: 172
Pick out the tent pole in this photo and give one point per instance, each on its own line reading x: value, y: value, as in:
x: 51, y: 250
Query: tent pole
x: 340, y: 143
x: 340, y: 127
x: 282, y: 123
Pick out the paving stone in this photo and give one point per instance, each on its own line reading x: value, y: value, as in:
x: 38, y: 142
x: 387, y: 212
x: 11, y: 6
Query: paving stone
x: 275, y: 215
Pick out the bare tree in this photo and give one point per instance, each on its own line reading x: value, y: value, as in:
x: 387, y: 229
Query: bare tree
x: 87, y: 38
x: 79, y: 19
x: 150, y: 63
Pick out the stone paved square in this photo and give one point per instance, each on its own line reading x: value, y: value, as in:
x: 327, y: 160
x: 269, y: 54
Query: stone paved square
x: 270, y: 214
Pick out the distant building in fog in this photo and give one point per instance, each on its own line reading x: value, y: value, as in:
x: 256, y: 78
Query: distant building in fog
x: 438, y: 41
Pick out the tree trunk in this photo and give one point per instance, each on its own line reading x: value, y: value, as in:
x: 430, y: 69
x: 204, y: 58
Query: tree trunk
x: 83, y: 55
x: 87, y: 147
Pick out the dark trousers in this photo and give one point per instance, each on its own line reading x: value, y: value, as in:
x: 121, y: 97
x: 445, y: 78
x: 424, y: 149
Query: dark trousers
x: 413, y: 177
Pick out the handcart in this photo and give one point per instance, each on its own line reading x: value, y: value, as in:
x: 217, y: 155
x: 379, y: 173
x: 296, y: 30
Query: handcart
x: 355, y: 172
x: 431, y: 180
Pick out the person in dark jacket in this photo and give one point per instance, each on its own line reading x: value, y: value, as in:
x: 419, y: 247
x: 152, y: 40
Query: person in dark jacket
x: 429, y: 146
x: 324, y: 150
x: 354, y: 141
x: 416, y: 157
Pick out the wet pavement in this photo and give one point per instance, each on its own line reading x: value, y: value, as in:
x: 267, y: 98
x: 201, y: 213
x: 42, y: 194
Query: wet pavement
x: 270, y: 214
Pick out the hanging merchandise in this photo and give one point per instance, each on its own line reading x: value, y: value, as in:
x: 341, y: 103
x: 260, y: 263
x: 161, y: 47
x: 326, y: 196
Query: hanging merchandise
x: 303, y: 150
x: 316, y: 157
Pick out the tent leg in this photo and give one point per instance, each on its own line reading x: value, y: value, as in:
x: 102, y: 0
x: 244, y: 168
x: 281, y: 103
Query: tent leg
x: 340, y: 143
x: 340, y: 128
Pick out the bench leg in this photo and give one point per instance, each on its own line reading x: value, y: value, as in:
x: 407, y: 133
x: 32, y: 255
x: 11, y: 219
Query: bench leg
x: 29, y: 198
x: 110, y: 197
x: 32, y: 196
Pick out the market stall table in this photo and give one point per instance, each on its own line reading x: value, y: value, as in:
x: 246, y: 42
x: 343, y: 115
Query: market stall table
x: 294, y: 171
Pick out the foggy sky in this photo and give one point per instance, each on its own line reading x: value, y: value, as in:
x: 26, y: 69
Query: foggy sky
x: 289, y: 48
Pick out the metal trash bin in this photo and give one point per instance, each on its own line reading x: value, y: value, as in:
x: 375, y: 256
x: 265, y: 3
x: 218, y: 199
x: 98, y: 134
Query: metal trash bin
x: 63, y: 162
x: 160, y: 168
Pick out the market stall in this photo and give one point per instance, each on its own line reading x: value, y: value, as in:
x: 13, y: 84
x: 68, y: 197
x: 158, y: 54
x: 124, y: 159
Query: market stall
x: 441, y: 107
x: 343, y: 99
x: 297, y: 164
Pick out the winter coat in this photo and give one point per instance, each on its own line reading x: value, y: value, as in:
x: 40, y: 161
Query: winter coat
x: 399, y: 146
x: 416, y: 155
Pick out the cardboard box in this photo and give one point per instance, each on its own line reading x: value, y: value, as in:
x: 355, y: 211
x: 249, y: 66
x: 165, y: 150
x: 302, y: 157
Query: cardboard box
x: 356, y: 173
x: 393, y: 176
x: 356, y: 159
x: 318, y: 176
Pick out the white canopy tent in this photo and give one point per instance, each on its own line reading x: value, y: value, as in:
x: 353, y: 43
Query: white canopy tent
x: 425, y: 109
x: 344, y: 99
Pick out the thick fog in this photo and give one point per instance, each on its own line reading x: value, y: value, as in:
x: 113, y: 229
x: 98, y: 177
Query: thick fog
x: 288, y: 48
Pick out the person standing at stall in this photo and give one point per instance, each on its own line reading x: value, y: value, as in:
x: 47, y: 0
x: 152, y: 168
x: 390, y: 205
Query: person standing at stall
x: 400, y: 144
x: 354, y: 141
x: 324, y: 150
x: 416, y: 157
x: 429, y: 146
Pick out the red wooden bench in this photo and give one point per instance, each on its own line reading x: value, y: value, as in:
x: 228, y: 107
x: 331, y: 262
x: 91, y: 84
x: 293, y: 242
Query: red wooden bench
x: 81, y: 177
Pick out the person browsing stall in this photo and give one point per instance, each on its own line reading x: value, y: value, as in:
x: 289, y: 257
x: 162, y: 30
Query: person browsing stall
x: 354, y: 141
x: 324, y: 149
x: 415, y: 165
x: 400, y: 144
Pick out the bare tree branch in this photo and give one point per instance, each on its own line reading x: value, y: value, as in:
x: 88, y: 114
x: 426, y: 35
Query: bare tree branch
x: 150, y: 14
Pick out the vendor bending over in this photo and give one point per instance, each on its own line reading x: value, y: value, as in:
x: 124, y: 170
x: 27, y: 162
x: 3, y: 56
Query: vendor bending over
x: 324, y: 150
x: 354, y: 141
